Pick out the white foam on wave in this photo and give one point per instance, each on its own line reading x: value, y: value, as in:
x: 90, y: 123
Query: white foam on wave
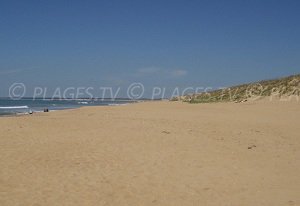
x: 15, y: 107
x: 83, y: 103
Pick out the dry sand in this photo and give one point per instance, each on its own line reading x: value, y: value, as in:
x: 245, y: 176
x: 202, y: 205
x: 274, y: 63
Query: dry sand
x: 155, y: 153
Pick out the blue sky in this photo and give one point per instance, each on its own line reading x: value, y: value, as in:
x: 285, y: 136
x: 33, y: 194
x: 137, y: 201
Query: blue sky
x: 158, y: 43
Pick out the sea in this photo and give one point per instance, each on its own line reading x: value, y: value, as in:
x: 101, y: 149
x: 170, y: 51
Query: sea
x: 23, y: 106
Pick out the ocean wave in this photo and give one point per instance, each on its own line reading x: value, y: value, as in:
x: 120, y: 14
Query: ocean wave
x: 15, y: 107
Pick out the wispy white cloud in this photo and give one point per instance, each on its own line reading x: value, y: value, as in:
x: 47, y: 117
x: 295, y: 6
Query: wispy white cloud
x: 148, y: 71
x: 115, y: 80
x: 167, y: 73
x: 13, y: 71
x: 179, y: 73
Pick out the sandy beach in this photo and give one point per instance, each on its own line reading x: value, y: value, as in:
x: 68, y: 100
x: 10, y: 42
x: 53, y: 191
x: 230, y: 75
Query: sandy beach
x: 153, y: 153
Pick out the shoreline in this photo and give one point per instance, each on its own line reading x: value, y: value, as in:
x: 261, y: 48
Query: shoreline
x: 13, y: 109
x: 55, y: 110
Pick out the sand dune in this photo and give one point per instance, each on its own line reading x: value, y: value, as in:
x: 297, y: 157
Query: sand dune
x: 153, y: 153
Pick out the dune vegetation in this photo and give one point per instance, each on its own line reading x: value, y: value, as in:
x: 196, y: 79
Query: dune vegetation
x: 286, y: 86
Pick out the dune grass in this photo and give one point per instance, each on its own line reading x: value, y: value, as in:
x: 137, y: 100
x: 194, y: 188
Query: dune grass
x: 281, y: 87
